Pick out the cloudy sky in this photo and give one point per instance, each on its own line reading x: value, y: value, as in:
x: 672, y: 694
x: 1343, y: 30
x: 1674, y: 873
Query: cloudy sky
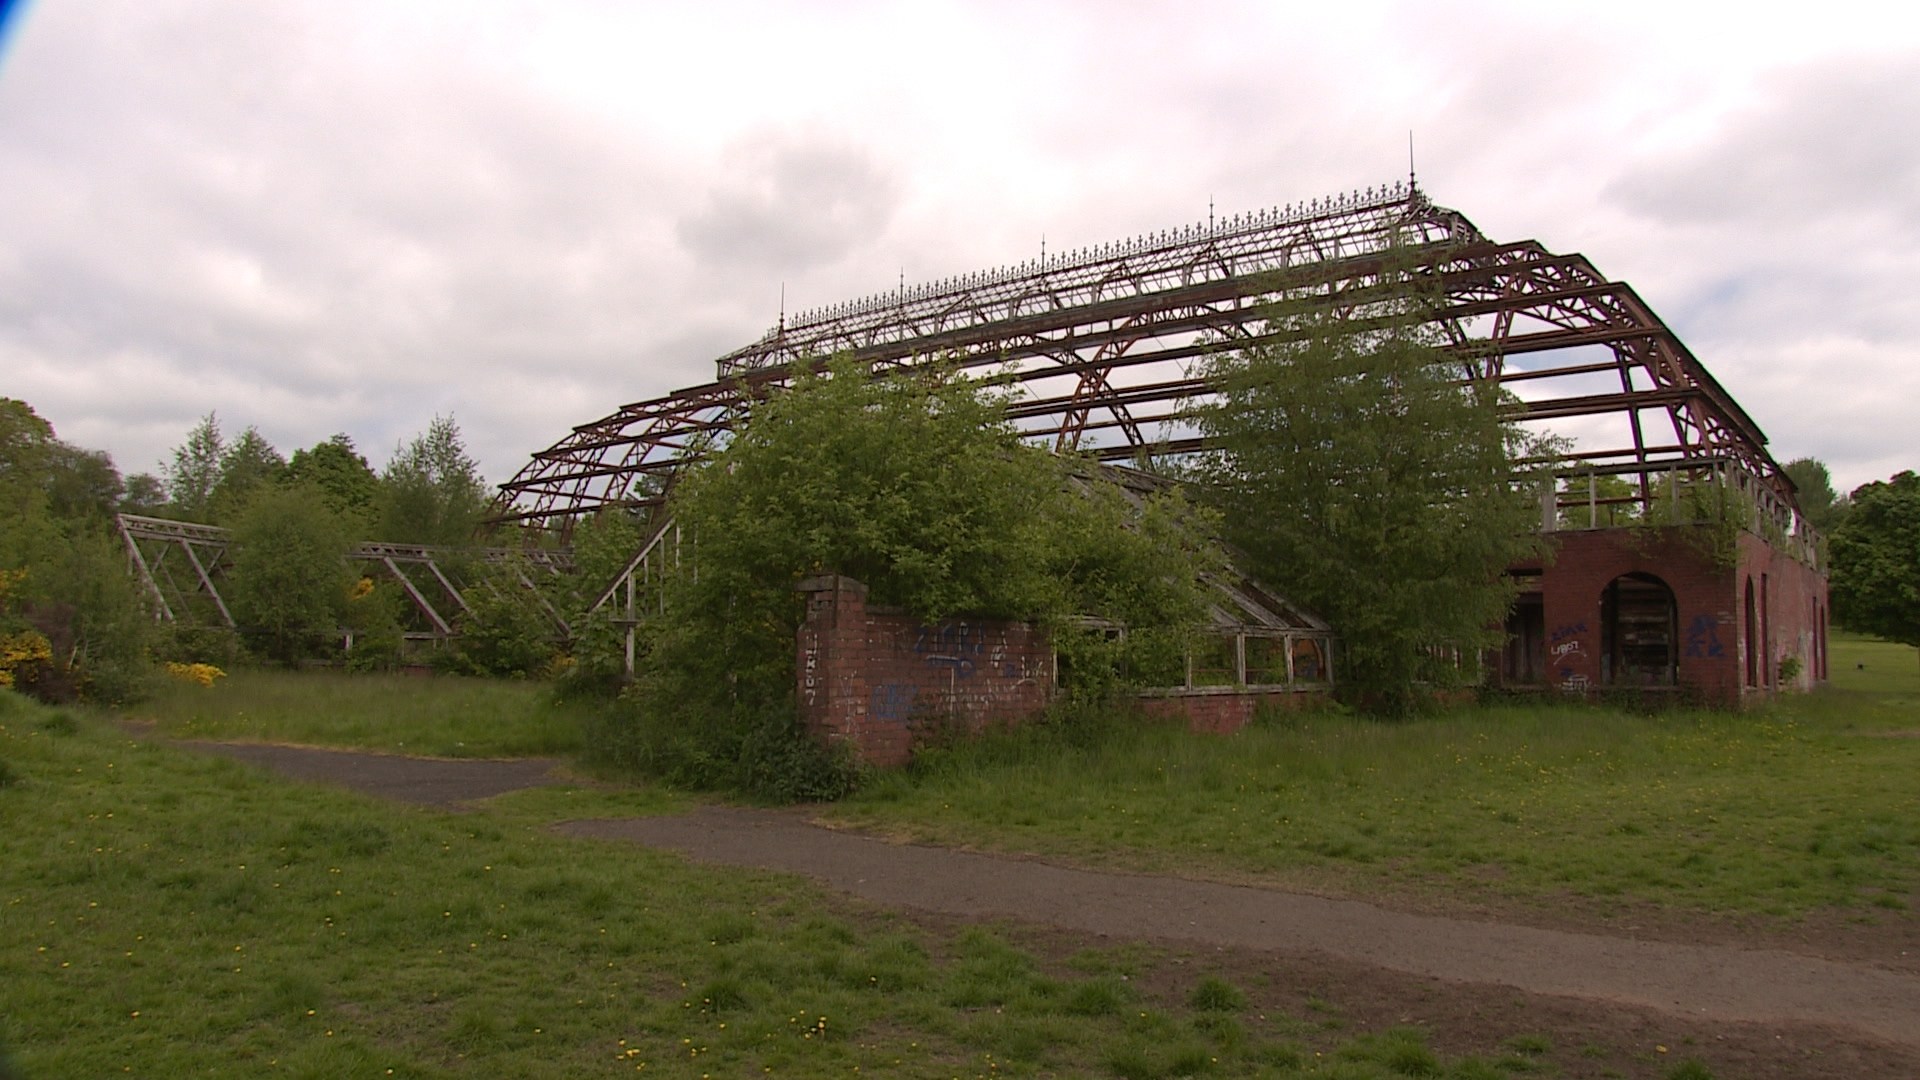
x: 352, y: 215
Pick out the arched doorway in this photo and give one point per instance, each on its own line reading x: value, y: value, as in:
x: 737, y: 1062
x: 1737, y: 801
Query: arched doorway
x: 1639, y: 632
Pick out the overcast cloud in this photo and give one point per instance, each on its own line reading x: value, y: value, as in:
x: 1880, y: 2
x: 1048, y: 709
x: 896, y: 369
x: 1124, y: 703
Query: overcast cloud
x: 325, y: 215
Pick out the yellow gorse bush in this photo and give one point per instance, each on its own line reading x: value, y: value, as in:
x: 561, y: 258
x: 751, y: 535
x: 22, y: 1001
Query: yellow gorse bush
x: 21, y: 649
x: 18, y: 648
x: 204, y: 674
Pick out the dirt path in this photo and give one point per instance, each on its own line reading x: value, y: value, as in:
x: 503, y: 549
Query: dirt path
x: 1709, y: 987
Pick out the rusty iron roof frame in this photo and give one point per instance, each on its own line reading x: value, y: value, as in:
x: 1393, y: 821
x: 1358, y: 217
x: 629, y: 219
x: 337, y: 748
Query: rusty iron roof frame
x: 1103, y: 349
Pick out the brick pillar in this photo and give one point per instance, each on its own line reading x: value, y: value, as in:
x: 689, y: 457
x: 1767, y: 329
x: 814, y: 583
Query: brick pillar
x: 831, y: 684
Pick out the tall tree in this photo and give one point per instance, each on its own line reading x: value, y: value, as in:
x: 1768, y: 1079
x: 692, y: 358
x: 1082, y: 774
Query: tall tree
x: 26, y: 445
x: 61, y: 565
x: 247, y: 466
x: 1875, y: 557
x: 1814, y: 487
x: 144, y: 493
x: 347, y: 484
x: 194, y: 470
x: 82, y: 483
x: 431, y: 491
x: 26, y: 450
x: 289, y: 576
x: 1374, y: 487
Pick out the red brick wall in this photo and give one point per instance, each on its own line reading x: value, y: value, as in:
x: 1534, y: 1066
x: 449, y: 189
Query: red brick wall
x: 1224, y: 710
x: 874, y: 677
x: 1793, y: 621
x: 1709, y: 598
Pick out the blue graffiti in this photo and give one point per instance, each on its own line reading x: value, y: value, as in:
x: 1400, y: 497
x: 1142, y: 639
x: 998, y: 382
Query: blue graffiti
x: 951, y: 645
x: 893, y: 701
x: 1703, y: 637
x: 1561, y: 633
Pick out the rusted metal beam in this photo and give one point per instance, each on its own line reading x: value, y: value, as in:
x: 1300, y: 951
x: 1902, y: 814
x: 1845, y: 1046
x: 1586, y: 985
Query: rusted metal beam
x: 1118, y: 326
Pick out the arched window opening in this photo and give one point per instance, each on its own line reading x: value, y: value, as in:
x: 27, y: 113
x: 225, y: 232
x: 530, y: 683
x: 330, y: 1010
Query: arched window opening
x: 1639, y: 628
x: 1750, y: 641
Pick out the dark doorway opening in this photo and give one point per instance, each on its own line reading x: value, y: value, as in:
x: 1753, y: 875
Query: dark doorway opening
x: 1639, y: 626
x: 1524, y: 662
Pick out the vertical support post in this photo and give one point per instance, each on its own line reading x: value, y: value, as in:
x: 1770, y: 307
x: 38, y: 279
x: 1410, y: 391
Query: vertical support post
x: 631, y: 625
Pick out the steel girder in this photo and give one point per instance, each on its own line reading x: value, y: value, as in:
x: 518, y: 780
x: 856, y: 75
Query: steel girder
x: 420, y: 571
x: 1103, y: 349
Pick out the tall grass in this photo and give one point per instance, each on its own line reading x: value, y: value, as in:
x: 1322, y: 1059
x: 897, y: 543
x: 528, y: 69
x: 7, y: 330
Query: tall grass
x: 1796, y: 806
x: 442, y: 715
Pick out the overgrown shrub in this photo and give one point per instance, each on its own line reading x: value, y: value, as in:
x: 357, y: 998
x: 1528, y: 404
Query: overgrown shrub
x: 768, y: 758
x: 289, y: 581
x: 1077, y: 722
x: 371, y: 614
x: 917, y: 486
x: 506, y: 633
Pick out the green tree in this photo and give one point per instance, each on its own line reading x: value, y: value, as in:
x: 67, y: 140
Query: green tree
x: 1814, y: 489
x: 289, y: 578
x: 247, y: 466
x: 506, y: 632
x: 65, y: 570
x: 82, y: 483
x: 194, y: 471
x: 1875, y: 561
x: 1374, y: 487
x: 26, y: 447
x: 346, y: 483
x: 431, y: 491
x: 143, y: 494
x: 1584, y: 509
x: 914, y: 484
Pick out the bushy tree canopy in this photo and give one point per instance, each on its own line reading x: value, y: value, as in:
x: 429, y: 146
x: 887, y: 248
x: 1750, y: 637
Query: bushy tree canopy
x: 289, y: 576
x: 1876, y: 561
x: 65, y: 573
x: 1373, y: 486
x: 914, y: 484
x: 341, y: 476
x: 248, y: 466
x: 431, y: 491
x: 1824, y: 509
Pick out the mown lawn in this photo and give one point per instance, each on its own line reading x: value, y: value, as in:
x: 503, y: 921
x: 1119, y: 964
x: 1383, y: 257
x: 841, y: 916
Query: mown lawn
x: 1809, y: 803
x: 169, y: 914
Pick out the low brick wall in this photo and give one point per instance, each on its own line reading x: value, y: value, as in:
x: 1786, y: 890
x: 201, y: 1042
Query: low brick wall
x: 874, y: 677
x: 1223, y: 710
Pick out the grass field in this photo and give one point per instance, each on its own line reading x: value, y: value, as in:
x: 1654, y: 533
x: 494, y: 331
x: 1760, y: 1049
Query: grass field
x: 169, y: 914
x: 163, y: 913
x: 1809, y: 803
x: 440, y: 716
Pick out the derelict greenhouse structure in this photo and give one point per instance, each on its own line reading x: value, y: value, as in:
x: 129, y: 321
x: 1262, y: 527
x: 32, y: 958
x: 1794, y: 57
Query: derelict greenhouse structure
x: 1104, y: 343
x: 1679, y: 560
